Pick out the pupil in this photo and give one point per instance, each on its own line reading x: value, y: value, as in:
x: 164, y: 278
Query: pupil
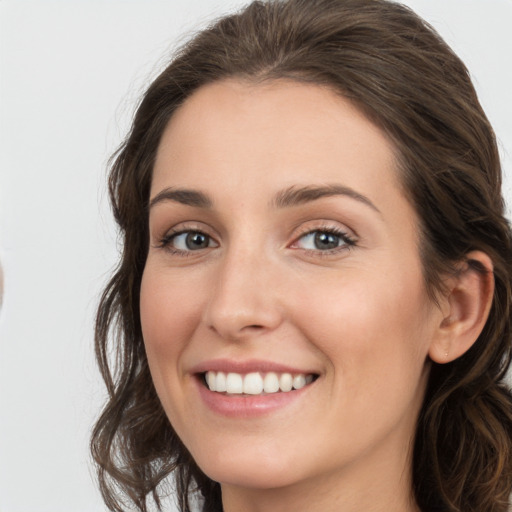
x: 326, y: 241
x: 196, y: 241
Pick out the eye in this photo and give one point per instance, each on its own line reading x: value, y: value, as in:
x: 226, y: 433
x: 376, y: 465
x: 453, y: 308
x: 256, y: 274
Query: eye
x: 324, y: 240
x: 187, y: 241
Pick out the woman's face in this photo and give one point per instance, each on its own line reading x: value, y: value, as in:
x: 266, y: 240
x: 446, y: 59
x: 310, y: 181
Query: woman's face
x: 284, y: 253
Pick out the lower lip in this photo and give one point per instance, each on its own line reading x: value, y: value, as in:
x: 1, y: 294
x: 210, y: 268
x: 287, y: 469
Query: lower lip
x: 247, y: 406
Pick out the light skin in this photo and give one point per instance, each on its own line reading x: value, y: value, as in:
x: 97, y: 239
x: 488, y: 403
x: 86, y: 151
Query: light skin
x: 249, y: 183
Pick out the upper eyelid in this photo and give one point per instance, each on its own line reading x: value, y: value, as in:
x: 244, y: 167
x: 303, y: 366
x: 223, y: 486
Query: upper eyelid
x: 347, y: 237
x: 171, y: 233
x: 188, y: 231
x: 183, y: 227
x: 324, y: 225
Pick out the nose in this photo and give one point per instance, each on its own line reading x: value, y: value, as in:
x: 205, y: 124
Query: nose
x: 243, y: 301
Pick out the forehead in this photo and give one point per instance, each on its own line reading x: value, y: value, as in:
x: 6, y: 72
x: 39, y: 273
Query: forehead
x: 283, y: 133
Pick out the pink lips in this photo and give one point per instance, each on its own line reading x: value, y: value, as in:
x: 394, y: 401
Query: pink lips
x: 246, y: 406
x: 252, y: 365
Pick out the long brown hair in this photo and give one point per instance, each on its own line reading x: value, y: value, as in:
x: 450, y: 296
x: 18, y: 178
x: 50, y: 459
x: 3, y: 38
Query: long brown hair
x: 400, y: 73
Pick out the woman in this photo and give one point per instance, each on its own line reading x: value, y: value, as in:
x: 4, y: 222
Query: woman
x: 312, y: 309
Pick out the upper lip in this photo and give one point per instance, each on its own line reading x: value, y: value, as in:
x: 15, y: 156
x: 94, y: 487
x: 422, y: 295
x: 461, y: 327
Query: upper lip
x: 248, y: 366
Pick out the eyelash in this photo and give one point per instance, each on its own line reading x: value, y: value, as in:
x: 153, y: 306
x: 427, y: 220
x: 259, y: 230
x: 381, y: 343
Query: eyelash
x: 166, y: 241
x: 348, y: 241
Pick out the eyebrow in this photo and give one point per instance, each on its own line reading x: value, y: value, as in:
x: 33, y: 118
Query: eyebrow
x: 184, y: 196
x: 292, y: 196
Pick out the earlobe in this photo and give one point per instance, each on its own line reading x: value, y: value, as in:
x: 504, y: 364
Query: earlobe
x: 467, y: 305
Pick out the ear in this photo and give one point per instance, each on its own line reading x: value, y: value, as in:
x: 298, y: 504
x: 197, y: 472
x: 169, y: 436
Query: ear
x: 465, y: 307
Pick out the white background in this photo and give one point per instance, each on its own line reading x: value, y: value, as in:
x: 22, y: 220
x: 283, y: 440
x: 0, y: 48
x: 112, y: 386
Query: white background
x: 70, y: 74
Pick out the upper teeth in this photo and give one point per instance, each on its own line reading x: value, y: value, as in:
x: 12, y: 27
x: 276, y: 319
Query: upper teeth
x: 255, y: 383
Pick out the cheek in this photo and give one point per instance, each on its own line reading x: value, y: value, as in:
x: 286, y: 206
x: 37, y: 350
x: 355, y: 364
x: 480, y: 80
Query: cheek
x: 169, y: 315
x: 371, y: 326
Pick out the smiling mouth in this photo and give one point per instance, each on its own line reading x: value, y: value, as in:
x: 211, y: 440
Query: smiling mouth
x: 255, y: 383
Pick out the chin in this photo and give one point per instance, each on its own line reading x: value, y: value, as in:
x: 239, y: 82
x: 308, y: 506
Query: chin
x: 250, y: 472
x: 255, y: 478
